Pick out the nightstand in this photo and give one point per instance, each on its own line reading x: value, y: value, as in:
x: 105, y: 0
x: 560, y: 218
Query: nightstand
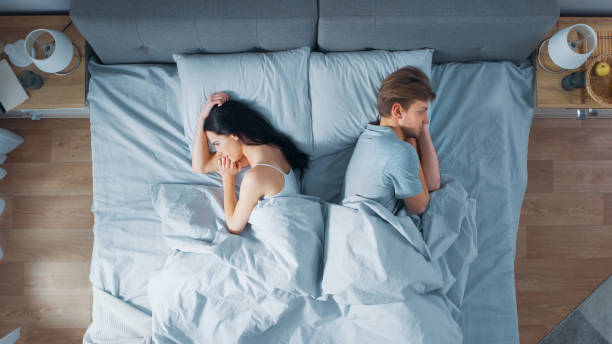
x: 551, y: 97
x: 59, y: 96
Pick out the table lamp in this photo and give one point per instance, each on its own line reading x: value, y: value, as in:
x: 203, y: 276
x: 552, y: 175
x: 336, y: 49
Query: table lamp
x: 51, y: 51
x: 563, y: 51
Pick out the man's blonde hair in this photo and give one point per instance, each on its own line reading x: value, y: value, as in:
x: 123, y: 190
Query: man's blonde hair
x: 404, y: 86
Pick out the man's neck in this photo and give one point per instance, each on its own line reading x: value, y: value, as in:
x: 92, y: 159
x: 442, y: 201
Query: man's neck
x: 391, y: 123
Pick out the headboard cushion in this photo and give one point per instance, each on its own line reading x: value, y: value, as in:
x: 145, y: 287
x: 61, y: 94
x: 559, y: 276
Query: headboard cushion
x: 457, y: 30
x: 139, y: 31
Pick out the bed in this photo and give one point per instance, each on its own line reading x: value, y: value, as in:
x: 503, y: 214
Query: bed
x: 480, y: 124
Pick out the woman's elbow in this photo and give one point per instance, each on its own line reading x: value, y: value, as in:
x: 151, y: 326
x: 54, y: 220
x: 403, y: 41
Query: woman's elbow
x: 235, y: 232
x: 235, y: 229
x: 200, y: 169
x: 196, y: 167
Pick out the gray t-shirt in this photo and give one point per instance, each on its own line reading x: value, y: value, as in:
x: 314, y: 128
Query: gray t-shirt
x: 382, y: 168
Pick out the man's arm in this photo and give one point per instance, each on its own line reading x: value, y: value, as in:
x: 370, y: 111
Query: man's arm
x: 417, y: 204
x: 429, y: 160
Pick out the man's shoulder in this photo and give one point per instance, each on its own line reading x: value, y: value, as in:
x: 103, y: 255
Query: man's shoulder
x: 376, y: 145
x: 388, y: 142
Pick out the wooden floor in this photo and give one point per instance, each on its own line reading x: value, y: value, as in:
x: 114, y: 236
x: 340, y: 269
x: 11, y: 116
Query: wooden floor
x: 46, y: 231
x: 564, y: 246
x: 563, y: 249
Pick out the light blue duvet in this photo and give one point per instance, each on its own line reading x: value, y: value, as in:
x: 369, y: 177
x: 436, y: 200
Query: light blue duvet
x: 311, y: 272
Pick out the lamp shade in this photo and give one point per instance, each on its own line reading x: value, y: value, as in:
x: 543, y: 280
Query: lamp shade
x: 562, y: 53
x: 60, y: 55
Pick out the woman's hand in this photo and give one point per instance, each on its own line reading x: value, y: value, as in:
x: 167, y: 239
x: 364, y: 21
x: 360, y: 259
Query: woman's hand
x: 227, y: 167
x: 243, y: 162
x: 215, y: 99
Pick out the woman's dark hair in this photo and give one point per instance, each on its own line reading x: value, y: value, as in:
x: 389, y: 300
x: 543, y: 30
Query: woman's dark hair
x: 252, y: 128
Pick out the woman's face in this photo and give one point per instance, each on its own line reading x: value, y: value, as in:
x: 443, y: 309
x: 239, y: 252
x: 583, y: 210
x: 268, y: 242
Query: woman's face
x: 226, y: 145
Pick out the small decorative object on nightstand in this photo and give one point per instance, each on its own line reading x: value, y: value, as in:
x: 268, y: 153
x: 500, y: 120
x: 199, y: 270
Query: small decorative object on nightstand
x: 17, y: 55
x: 599, y: 85
x: 29, y: 79
x: 573, y: 81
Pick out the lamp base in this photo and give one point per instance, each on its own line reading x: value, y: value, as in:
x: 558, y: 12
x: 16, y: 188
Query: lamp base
x: 545, y: 61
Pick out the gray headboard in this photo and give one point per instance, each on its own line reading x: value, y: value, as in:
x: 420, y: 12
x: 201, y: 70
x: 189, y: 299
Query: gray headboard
x: 139, y: 31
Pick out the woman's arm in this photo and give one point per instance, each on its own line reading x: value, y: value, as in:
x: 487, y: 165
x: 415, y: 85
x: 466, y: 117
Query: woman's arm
x: 202, y: 160
x: 237, y: 212
x: 429, y: 160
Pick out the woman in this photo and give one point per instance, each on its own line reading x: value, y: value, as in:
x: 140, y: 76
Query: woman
x: 243, y: 137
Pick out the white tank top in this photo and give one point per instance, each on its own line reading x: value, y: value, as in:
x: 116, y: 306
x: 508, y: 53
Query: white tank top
x: 290, y: 187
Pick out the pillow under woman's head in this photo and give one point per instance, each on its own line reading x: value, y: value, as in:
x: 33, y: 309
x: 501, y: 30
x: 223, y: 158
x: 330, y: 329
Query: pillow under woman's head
x: 274, y: 84
x: 234, y: 118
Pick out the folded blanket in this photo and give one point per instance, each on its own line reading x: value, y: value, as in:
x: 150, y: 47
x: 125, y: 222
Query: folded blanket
x: 375, y: 278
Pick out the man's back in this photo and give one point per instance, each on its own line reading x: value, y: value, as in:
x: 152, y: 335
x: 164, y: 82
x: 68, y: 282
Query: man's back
x: 382, y: 168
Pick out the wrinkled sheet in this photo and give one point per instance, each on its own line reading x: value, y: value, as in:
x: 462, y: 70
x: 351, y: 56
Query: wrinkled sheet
x: 480, y: 126
x: 311, y: 272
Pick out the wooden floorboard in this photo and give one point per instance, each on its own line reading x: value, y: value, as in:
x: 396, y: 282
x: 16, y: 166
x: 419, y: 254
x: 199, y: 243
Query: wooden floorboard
x: 46, y: 231
x: 563, y: 244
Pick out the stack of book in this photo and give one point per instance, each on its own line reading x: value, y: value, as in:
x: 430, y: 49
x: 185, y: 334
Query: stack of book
x: 11, y: 91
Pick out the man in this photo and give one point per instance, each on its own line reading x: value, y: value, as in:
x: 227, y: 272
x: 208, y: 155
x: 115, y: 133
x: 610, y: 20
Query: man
x: 395, y: 162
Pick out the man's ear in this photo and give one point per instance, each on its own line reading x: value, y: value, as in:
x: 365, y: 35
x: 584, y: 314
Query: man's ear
x: 396, y: 111
x: 233, y: 137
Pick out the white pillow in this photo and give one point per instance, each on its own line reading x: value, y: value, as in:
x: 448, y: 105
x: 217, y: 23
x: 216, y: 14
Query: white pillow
x: 275, y: 84
x: 343, y: 91
x: 8, y: 142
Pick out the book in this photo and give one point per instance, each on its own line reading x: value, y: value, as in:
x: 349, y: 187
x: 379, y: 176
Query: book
x: 11, y: 91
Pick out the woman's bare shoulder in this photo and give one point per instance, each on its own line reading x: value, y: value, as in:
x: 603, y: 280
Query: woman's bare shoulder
x: 264, y: 177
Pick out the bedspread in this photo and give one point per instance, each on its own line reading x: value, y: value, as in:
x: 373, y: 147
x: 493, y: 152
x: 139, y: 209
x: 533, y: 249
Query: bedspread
x: 312, y: 272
